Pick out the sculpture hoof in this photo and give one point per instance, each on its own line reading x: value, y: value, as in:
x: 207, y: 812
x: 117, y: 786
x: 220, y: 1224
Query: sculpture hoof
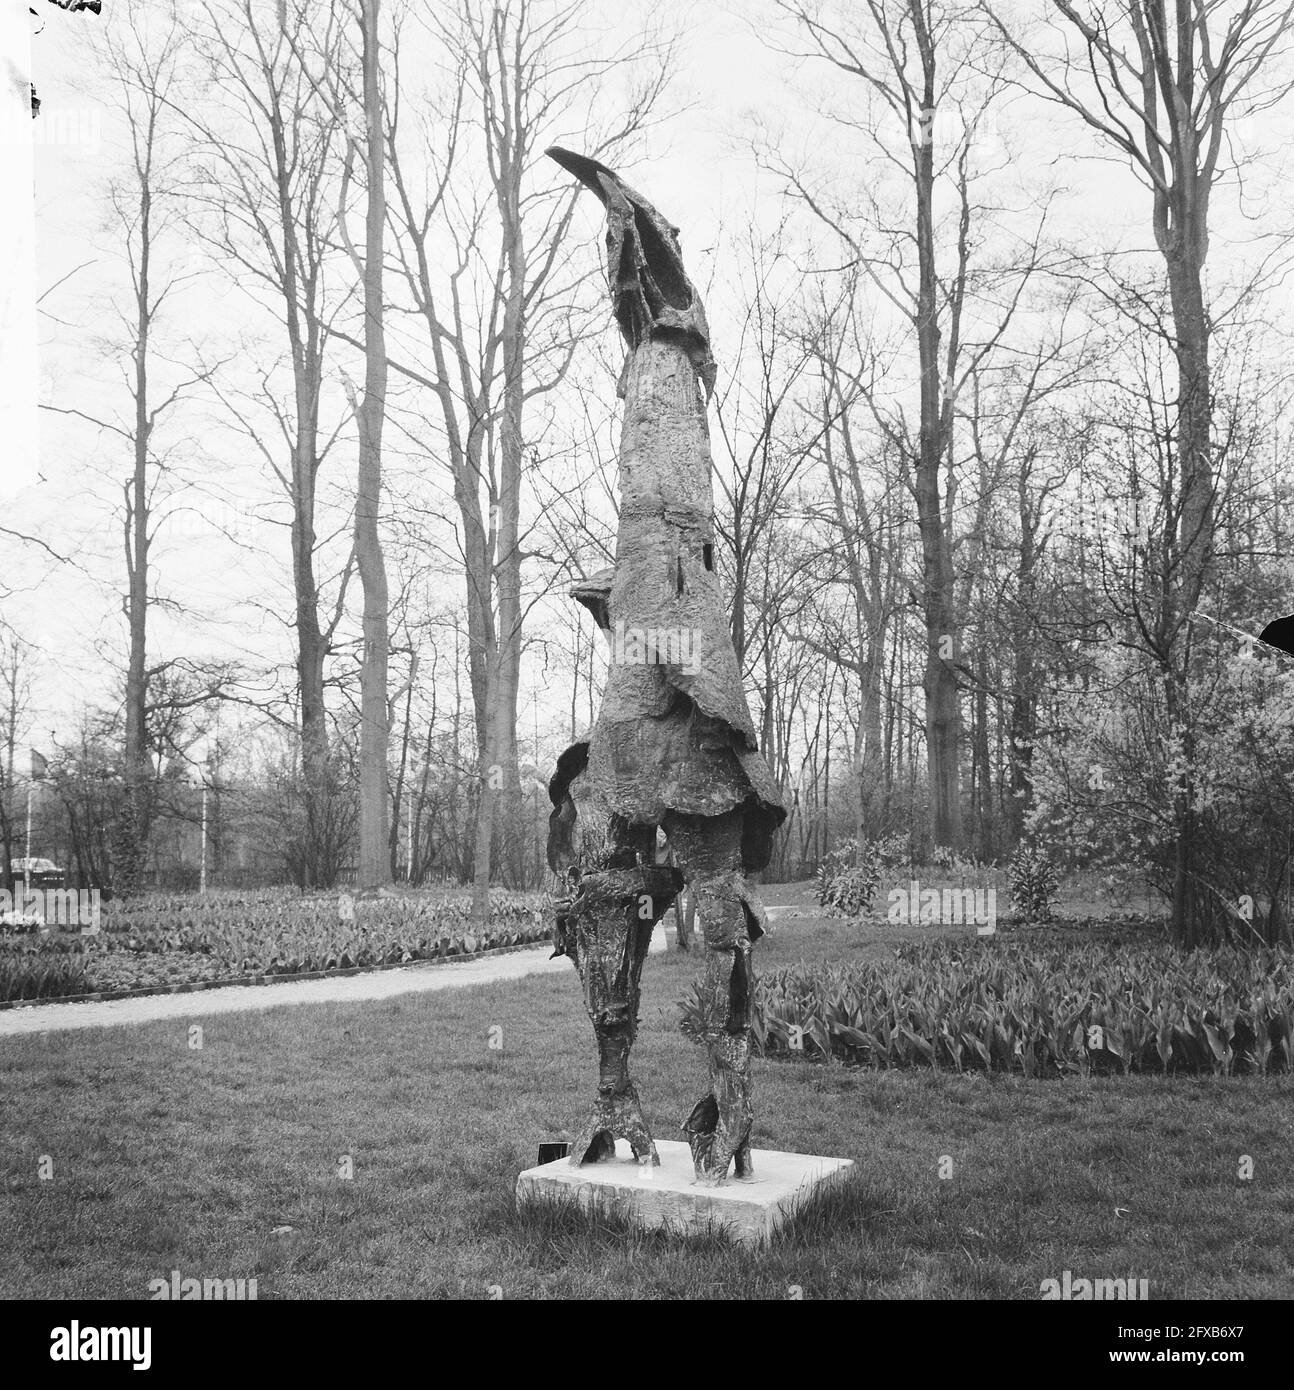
x: 614, y: 1115
x: 743, y: 1168
x: 599, y: 1149
x: 712, y: 1148
x: 700, y: 1128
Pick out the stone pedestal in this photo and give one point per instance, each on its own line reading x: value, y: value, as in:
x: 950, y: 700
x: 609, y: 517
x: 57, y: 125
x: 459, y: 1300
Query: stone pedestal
x: 669, y: 1197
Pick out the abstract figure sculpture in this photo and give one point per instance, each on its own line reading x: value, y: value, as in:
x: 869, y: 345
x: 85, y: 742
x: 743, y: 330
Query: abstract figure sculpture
x: 674, y: 746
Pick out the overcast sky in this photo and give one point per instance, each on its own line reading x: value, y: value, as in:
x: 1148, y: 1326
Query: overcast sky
x: 698, y: 168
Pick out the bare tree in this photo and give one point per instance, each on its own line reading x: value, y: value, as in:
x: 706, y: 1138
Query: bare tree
x: 926, y: 85
x: 374, y: 857
x: 268, y: 151
x: 142, y: 53
x: 1161, y: 85
x: 763, y: 436
x: 15, y: 700
x: 489, y: 274
x: 368, y: 149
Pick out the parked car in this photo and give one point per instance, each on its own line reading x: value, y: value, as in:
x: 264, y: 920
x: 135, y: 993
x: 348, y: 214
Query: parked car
x: 44, y: 873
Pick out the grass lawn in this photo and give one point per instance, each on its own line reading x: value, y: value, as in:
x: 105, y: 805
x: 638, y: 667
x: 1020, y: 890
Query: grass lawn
x: 169, y: 1157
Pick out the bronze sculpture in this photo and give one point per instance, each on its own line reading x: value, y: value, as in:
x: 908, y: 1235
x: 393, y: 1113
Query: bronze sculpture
x: 674, y: 745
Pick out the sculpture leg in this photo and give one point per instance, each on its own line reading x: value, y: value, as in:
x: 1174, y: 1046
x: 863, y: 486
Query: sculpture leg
x: 616, y: 1111
x: 612, y: 919
x: 719, y: 1126
x: 685, y: 908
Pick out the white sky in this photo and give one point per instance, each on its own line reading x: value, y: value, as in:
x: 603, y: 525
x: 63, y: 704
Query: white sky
x: 697, y: 169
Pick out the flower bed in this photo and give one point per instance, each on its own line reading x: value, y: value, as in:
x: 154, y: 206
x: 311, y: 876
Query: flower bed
x: 159, y: 941
x: 1038, y: 1009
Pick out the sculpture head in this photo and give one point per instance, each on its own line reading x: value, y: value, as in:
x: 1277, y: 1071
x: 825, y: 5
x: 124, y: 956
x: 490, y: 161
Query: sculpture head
x: 650, y: 292
x: 73, y: 6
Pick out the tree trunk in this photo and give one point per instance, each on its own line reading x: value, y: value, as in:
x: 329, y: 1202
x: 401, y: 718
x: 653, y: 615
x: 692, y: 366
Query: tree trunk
x: 130, y: 845
x: 374, y: 854
x: 403, y: 791
x: 487, y: 797
x: 980, y: 759
x: 1184, y: 246
x: 1024, y: 684
x: 501, y: 785
x: 317, y: 866
x: 943, y: 708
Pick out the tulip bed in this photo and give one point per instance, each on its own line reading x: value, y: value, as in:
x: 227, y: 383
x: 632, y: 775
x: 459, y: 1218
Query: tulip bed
x: 1038, y: 1009
x: 166, y: 940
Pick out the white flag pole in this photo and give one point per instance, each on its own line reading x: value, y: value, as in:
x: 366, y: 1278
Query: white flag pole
x: 26, y: 863
x: 202, y: 874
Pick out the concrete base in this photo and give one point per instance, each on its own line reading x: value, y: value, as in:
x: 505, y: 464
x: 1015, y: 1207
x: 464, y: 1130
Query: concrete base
x: 669, y: 1197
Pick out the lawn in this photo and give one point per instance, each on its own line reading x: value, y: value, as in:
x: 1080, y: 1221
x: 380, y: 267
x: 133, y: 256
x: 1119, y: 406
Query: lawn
x: 226, y: 1161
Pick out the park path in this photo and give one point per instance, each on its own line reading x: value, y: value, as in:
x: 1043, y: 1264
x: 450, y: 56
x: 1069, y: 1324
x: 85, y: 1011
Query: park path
x: 381, y: 984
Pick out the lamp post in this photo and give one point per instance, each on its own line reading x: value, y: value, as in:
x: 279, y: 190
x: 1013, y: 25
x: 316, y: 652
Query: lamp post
x: 26, y: 863
x: 202, y: 871
x: 200, y: 776
x: 38, y: 770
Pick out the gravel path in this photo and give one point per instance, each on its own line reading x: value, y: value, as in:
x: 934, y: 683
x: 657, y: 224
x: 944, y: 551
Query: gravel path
x: 382, y: 984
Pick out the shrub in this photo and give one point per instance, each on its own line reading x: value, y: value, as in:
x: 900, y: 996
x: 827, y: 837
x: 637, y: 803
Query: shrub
x: 852, y: 890
x: 893, y: 851
x: 841, y: 857
x: 1034, y: 884
x: 845, y: 887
